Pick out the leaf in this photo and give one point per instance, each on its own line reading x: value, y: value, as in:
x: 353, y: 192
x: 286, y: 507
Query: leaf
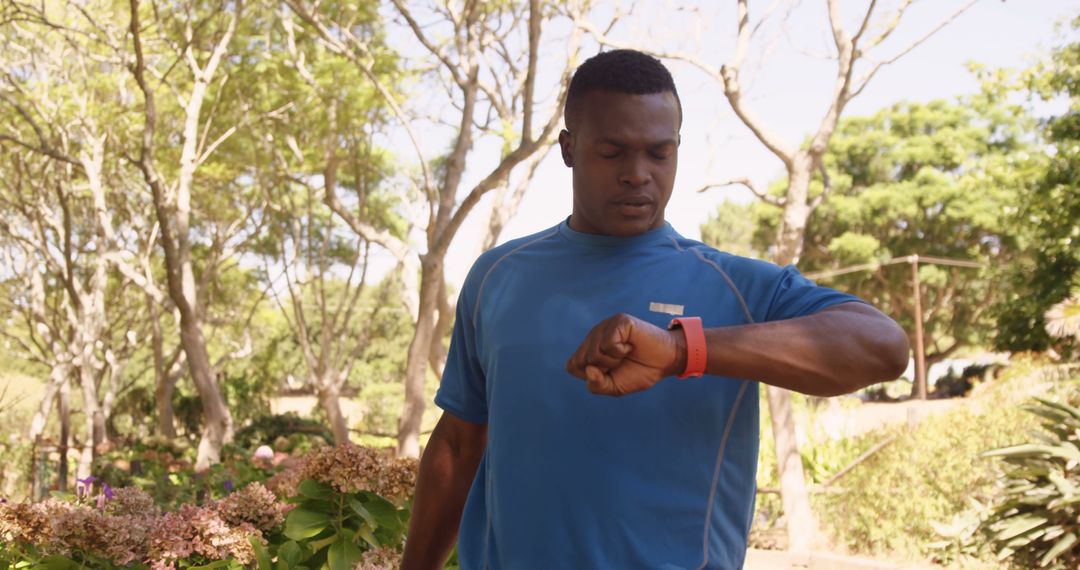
x: 1064, y: 485
x: 56, y: 562
x: 385, y: 513
x: 290, y: 553
x: 365, y: 533
x: 317, y: 545
x: 1018, y: 526
x: 1017, y: 451
x: 1070, y: 410
x: 343, y: 554
x: 358, y: 508
x: 302, y: 523
x: 213, y: 565
x: 315, y: 490
x: 262, y: 557
x: 1062, y: 545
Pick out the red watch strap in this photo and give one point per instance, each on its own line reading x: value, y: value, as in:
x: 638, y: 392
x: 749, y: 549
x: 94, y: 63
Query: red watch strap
x: 695, y: 345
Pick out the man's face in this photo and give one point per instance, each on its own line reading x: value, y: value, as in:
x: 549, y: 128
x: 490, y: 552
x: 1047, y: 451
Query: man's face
x: 624, y: 152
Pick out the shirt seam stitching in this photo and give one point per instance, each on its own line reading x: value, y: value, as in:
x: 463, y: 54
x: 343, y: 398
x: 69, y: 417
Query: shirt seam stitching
x: 734, y: 408
x: 480, y: 290
x: 716, y: 472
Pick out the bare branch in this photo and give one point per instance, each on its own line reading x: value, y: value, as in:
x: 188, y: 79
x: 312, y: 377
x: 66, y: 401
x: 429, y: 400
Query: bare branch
x: 763, y: 196
x: 530, y: 79
x: 865, y: 79
x: 889, y: 27
x: 435, y: 50
x: 331, y: 41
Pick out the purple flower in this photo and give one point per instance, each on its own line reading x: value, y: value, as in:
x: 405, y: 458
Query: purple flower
x: 228, y: 484
x: 84, y: 485
x: 108, y: 490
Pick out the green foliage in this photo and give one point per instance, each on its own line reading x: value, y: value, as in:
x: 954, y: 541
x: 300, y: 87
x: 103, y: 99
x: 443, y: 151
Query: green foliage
x: 1037, y: 521
x: 270, y: 429
x: 332, y: 528
x: 894, y: 502
x: 935, y: 179
x: 1050, y: 266
x: 731, y: 229
x: 163, y: 468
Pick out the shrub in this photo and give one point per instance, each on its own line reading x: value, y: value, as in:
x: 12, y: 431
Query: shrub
x: 347, y: 507
x: 271, y: 429
x: 888, y: 504
x: 1037, y: 521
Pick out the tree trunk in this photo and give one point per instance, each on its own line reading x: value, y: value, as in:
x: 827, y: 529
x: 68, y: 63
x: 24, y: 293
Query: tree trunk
x: 802, y: 528
x: 330, y: 399
x: 90, y: 411
x: 163, y: 394
x: 217, y: 421
x: 431, y: 274
x: 64, y: 411
x: 164, y: 379
x: 789, y: 239
x: 57, y: 378
x: 438, y: 352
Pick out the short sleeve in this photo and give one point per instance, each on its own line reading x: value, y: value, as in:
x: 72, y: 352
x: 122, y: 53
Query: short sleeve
x: 463, y: 389
x: 797, y: 296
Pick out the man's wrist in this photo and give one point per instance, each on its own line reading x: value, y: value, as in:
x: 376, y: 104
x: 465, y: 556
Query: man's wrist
x: 678, y: 363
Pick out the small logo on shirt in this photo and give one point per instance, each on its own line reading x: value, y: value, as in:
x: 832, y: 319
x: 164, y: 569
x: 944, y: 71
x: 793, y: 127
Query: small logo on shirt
x: 674, y: 310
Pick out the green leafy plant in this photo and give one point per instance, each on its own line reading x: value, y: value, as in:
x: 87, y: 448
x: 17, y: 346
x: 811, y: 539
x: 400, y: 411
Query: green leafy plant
x: 1038, y: 521
x: 334, y: 528
x: 886, y: 506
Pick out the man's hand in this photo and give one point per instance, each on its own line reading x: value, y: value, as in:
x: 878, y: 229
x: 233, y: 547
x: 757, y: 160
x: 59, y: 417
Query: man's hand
x: 624, y: 354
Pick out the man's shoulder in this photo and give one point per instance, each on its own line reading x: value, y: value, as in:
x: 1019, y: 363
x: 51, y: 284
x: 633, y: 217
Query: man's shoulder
x: 488, y: 260
x: 728, y: 262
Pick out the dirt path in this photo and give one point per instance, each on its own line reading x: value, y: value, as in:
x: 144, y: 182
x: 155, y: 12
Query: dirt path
x: 779, y: 560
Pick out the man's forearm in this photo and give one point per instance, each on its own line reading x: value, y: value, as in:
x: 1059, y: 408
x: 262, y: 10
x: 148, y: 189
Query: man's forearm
x: 447, y: 470
x: 835, y: 351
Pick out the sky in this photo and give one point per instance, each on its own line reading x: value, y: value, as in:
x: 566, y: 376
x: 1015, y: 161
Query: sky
x: 789, y: 88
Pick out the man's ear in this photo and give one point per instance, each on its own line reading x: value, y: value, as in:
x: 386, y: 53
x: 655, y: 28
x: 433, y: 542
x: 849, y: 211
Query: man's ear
x: 566, y: 145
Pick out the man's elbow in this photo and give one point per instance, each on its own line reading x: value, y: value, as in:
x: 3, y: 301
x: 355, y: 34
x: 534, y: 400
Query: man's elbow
x: 884, y: 357
x: 890, y: 351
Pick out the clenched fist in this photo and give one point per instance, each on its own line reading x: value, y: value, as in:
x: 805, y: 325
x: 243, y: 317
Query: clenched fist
x: 624, y: 354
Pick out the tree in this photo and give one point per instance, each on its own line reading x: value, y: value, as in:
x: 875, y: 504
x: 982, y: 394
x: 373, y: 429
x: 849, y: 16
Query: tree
x: 61, y: 222
x: 852, y: 50
x: 484, y: 77
x: 1050, y: 265
x: 193, y: 60
x: 732, y: 229
x: 323, y: 144
x: 936, y: 180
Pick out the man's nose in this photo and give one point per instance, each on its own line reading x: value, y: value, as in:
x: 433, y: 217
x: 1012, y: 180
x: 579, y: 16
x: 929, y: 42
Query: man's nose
x: 634, y: 172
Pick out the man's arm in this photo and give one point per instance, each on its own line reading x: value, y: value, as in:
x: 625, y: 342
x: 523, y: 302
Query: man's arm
x: 447, y: 470
x: 834, y: 351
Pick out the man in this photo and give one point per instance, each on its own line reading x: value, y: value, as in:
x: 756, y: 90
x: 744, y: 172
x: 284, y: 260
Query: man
x: 538, y: 470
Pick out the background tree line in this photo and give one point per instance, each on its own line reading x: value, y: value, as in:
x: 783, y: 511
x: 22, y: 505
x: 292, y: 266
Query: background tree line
x: 199, y: 199
x: 203, y: 191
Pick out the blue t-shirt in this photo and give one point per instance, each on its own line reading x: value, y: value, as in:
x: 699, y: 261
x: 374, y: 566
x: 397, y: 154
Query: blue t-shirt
x: 663, y: 478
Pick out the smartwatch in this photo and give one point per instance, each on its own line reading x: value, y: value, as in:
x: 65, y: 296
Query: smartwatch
x: 695, y: 345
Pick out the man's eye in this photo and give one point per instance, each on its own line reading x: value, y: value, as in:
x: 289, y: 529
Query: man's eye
x: 609, y: 153
x: 662, y: 153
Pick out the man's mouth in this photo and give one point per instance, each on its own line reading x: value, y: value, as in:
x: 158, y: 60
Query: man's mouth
x: 633, y: 206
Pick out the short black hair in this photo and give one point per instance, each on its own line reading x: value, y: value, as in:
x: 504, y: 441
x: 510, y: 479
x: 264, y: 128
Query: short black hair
x: 622, y: 71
